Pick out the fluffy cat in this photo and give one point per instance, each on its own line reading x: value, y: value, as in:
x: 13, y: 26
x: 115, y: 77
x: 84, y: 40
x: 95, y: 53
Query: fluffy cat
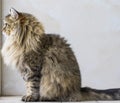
x: 46, y: 62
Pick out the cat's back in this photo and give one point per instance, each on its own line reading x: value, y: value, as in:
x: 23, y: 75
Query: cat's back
x: 56, y: 40
x: 60, y: 51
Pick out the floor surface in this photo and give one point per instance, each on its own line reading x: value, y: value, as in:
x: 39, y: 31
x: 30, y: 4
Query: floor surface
x: 18, y: 100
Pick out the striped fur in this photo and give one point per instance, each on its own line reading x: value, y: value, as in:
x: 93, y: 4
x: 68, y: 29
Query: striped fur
x: 46, y: 62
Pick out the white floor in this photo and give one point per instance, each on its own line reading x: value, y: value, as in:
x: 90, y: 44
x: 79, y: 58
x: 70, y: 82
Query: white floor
x: 18, y: 100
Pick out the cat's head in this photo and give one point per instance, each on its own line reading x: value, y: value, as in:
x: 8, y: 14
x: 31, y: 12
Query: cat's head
x: 16, y: 23
x: 10, y: 22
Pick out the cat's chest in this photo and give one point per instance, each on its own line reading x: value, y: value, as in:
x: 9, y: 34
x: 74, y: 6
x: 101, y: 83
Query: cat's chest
x: 11, y: 52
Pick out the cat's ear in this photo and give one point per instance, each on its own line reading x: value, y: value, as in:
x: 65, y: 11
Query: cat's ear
x: 14, y: 13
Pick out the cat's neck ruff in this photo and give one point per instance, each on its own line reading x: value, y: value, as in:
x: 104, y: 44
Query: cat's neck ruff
x: 11, y: 52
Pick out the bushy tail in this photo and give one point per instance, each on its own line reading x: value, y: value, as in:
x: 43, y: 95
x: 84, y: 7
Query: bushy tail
x: 89, y: 94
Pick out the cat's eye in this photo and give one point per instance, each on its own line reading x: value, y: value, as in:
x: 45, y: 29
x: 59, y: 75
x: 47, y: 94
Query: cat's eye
x: 6, y: 25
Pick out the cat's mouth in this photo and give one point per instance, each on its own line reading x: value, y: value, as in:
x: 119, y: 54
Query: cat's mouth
x: 4, y: 32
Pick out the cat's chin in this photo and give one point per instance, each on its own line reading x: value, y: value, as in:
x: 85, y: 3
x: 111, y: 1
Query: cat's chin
x: 5, y: 34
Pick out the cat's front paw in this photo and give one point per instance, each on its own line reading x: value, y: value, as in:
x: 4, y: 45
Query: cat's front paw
x: 30, y: 98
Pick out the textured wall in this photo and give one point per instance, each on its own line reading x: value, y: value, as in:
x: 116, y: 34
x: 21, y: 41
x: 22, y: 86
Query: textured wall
x: 91, y: 26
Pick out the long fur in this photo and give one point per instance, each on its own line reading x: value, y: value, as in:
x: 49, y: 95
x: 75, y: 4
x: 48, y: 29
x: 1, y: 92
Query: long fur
x: 24, y: 38
x: 46, y: 62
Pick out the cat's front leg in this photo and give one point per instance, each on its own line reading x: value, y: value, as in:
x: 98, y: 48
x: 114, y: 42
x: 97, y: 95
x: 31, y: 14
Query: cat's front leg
x: 32, y: 86
x: 32, y: 92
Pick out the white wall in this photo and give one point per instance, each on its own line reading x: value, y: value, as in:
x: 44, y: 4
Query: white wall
x: 0, y: 44
x: 91, y: 26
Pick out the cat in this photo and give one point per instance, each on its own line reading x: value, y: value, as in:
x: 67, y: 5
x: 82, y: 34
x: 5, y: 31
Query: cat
x: 46, y: 62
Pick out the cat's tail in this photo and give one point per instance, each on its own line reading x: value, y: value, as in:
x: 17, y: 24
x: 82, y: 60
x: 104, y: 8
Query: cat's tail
x: 88, y: 94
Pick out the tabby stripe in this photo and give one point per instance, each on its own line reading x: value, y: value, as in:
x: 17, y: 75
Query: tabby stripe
x: 34, y: 78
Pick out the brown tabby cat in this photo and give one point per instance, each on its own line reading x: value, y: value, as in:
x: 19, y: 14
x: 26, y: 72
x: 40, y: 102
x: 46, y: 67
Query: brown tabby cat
x: 46, y: 62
